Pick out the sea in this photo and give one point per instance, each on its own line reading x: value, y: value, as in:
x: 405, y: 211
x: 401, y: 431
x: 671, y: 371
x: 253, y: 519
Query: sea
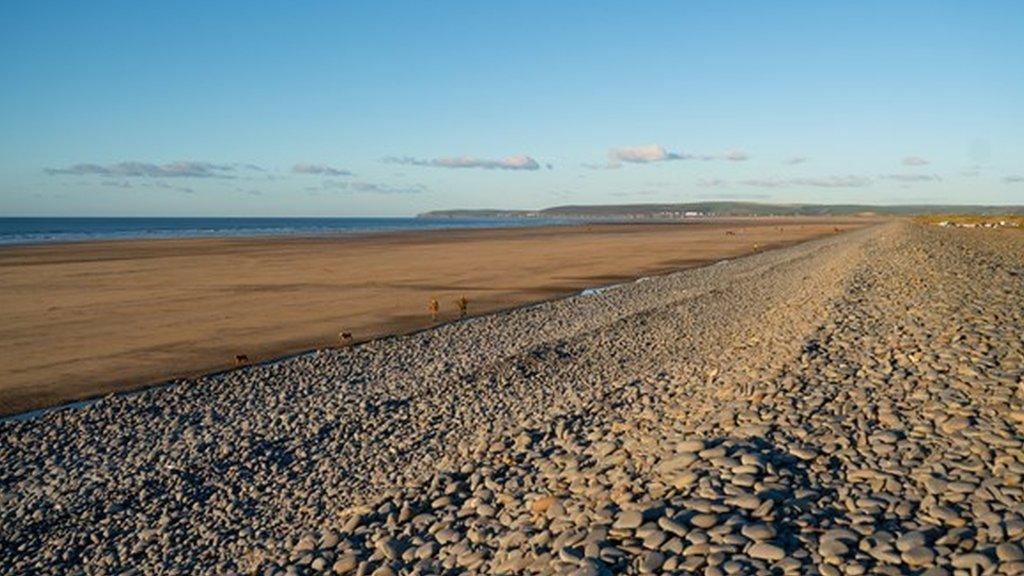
x: 40, y: 230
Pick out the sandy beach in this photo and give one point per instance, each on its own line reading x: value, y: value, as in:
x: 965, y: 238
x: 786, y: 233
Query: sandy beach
x: 86, y: 319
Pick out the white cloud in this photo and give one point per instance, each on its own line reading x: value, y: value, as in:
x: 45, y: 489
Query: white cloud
x: 915, y: 161
x: 369, y: 188
x: 519, y: 162
x: 824, y: 182
x: 116, y: 183
x: 144, y: 169
x: 319, y: 169
x: 650, y: 153
x: 912, y: 177
x: 736, y: 196
x: 642, y: 154
x: 1013, y: 179
x: 712, y: 182
x: 794, y: 160
x: 183, y: 189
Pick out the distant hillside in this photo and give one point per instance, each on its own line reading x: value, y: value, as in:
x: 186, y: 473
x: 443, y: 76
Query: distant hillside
x: 693, y: 209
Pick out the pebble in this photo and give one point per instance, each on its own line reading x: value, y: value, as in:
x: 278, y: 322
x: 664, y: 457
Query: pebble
x: 766, y: 551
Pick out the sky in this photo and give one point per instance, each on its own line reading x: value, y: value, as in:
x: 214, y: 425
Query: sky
x: 394, y: 108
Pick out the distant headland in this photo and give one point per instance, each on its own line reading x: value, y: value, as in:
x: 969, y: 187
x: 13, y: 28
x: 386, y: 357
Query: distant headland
x: 723, y: 209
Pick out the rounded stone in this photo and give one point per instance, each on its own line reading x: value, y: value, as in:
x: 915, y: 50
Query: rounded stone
x: 766, y: 551
x: 704, y: 520
x: 758, y: 532
x: 629, y: 520
x: 919, y: 556
x: 346, y: 564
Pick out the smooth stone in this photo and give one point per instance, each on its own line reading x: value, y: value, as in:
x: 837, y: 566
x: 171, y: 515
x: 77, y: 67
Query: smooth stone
x: 766, y: 551
x: 541, y: 505
x: 919, y: 556
x: 1009, y: 552
x: 693, y: 446
x: 972, y: 561
x: 758, y: 532
x: 346, y: 564
x: 629, y: 519
x: 704, y: 520
x: 652, y: 561
x: 911, y: 540
x: 833, y: 548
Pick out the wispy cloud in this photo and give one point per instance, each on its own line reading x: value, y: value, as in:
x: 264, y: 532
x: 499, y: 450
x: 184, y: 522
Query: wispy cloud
x: 520, y: 162
x: 182, y: 189
x: 915, y: 161
x: 319, y: 169
x: 823, y: 182
x: 368, y: 188
x: 712, y: 182
x: 794, y: 160
x: 1013, y: 179
x: 147, y: 170
x: 913, y: 177
x: 635, y: 194
x: 116, y: 183
x: 736, y: 196
x: 651, y: 153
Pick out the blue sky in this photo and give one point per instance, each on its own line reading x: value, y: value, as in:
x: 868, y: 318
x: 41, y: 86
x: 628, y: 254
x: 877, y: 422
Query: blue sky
x: 392, y: 108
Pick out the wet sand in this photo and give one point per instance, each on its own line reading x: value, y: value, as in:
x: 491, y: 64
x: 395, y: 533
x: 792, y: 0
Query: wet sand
x: 85, y: 319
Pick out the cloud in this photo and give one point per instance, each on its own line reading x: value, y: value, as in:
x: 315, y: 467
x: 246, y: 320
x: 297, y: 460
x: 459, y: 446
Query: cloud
x: 643, y: 154
x: 520, y: 162
x: 912, y: 177
x: 1013, y: 179
x: 825, y: 182
x: 116, y: 183
x: 638, y: 193
x: 183, y: 189
x: 736, y: 196
x: 369, y: 188
x: 651, y: 153
x: 602, y: 166
x: 712, y: 182
x: 319, y: 169
x: 147, y: 170
x: 792, y: 161
x: 915, y: 161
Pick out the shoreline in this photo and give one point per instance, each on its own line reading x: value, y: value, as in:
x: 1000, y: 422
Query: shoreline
x: 553, y: 223
x: 169, y: 383
x: 528, y: 278
x: 243, y: 234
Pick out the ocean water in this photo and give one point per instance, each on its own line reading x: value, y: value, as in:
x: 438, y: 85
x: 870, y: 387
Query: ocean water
x: 37, y: 230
